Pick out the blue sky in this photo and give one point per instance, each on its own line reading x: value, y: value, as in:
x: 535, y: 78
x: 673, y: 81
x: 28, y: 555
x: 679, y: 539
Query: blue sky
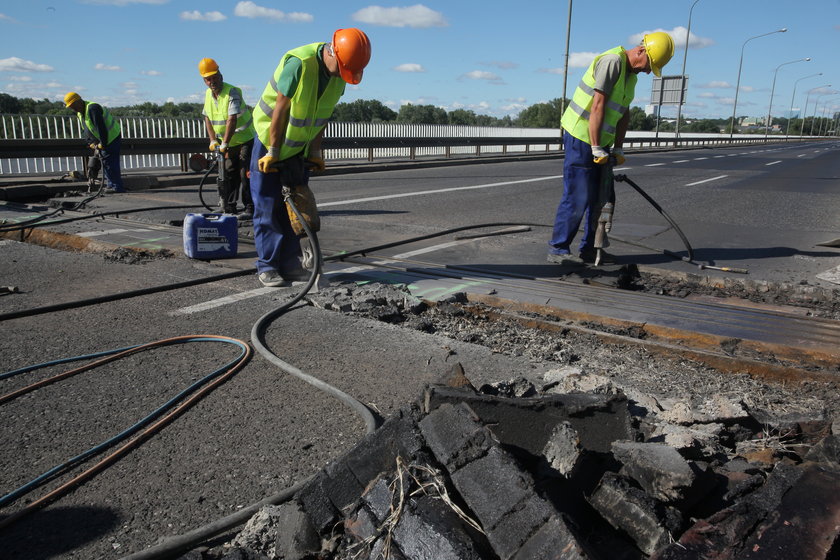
x: 494, y: 58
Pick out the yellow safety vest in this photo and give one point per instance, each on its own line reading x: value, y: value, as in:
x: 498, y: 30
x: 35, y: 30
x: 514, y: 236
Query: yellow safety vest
x: 576, y: 117
x: 309, y: 113
x: 110, y: 123
x: 216, y: 109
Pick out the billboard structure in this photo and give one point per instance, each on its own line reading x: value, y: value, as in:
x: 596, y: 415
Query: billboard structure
x: 668, y: 90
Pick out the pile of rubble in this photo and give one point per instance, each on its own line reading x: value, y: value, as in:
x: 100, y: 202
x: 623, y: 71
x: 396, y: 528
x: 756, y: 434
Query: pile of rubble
x: 523, y: 471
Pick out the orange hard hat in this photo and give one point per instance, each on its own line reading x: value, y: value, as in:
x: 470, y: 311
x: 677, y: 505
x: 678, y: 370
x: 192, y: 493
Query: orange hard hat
x: 352, y: 49
x: 207, y: 67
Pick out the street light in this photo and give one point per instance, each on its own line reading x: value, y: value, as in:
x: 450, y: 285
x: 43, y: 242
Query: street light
x: 816, y: 102
x: 790, y: 111
x: 823, y: 119
x: 804, y: 113
x: 773, y: 89
x: 738, y: 83
x: 682, y: 83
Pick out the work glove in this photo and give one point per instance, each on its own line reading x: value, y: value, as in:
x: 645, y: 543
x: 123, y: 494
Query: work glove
x: 600, y: 155
x: 618, y: 154
x: 214, y: 145
x: 316, y: 163
x: 269, y: 162
x: 223, y: 147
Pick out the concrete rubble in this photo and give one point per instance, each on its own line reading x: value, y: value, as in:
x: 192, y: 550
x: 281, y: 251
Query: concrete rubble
x: 518, y: 471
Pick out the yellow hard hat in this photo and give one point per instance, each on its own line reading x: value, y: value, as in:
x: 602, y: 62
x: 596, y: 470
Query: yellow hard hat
x: 207, y: 67
x: 71, y: 97
x: 659, y: 48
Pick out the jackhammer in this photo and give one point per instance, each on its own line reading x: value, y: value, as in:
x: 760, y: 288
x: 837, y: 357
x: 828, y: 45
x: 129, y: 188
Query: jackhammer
x: 603, y: 211
x: 93, y: 167
x: 221, y: 178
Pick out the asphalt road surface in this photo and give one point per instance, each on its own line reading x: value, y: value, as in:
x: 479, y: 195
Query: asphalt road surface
x: 765, y: 209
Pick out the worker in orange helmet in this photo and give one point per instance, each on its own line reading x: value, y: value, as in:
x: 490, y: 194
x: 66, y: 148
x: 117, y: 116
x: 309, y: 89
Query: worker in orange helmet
x: 594, y: 125
x: 289, y: 119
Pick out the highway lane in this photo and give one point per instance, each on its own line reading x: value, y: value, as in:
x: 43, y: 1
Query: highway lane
x: 764, y: 209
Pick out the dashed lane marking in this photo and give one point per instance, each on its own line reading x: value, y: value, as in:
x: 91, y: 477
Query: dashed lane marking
x: 109, y: 232
x: 436, y: 191
x: 706, y: 180
x: 774, y: 162
x: 227, y: 300
x: 653, y: 164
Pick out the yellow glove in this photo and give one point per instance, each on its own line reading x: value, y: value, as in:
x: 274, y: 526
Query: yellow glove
x: 223, y: 147
x: 95, y: 146
x: 214, y: 145
x: 618, y: 154
x: 600, y: 155
x: 316, y: 164
x: 268, y: 163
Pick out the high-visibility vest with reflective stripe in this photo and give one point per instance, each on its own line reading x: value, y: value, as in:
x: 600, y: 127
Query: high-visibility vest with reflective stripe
x: 576, y: 117
x: 309, y: 113
x: 216, y: 110
x: 110, y: 123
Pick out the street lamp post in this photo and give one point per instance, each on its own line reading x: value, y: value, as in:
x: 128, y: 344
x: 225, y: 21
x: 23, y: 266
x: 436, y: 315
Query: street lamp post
x: 824, y: 121
x: 790, y: 111
x: 807, y: 99
x: 738, y: 83
x: 816, y: 103
x: 773, y: 89
x: 682, y: 83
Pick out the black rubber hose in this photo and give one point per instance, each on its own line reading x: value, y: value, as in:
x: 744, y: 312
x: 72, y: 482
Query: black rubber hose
x: 201, y: 185
x: 122, y: 295
x: 174, y: 546
x: 626, y: 179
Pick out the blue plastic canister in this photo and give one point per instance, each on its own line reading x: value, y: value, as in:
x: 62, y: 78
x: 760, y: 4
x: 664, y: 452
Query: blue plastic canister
x: 210, y: 236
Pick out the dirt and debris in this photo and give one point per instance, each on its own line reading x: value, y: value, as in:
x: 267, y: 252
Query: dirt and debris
x: 810, y: 300
x: 132, y: 256
x: 613, y: 453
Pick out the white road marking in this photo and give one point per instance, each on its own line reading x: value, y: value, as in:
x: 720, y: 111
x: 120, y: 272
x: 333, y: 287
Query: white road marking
x: 227, y: 300
x: 653, y: 164
x: 437, y: 191
x: 110, y: 231
x: 706, y: 180
x: 700, y: 158
x: 716, y: 157
x: 682, y: 160
x: 801, y: 155
x: 774, y: 162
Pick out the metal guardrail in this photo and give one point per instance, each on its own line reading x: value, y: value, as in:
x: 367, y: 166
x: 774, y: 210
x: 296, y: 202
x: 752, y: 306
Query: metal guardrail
x: 70, y: 152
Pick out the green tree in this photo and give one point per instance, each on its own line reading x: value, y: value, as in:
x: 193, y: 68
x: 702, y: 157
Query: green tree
x: 9, y: 103
x: 363, y: 110
x: 541, y: 115
x: 422, y: 114
x: 640, y: 121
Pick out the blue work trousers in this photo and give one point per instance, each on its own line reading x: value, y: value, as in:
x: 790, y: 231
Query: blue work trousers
x: 111, y: 164
x: 581, y: 181
x: 278, y: 247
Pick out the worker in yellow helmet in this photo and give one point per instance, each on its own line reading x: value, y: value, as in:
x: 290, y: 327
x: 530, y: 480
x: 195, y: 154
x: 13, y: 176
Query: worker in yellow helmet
x: 290, y: 118
x: 594, y: 125
x: 103, y: 133
x: 230, y: 128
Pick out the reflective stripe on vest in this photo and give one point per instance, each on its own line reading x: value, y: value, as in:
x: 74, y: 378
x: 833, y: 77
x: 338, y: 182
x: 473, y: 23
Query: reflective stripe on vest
x: 308, y: 113
x: 576, y: 117
x: 110, y: 123
x: 216, y: 110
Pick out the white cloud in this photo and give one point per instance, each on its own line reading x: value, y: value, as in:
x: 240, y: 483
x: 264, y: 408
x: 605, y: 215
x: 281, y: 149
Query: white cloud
x: 4, y: 17
x: 21, y: 78
x: 109, y: 68
x: 250, y: 10
x: 418, y: 16
x: 678, y: 35
x: 716, y: 85
x: 409, y: 67
x: 483, y: 75
x: 123, y: 2
x: 151, y: 73
x: 195, y: 15
x: 581, y: 59
x: 502, y: 64
x: 15, y: 64
x: 551, y: 71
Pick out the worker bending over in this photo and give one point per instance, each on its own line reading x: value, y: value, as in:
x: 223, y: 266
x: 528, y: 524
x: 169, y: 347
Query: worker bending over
x: 594, y: 125
x: 103, y: 133
x: 290, y: 118
x: 231, y: 131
